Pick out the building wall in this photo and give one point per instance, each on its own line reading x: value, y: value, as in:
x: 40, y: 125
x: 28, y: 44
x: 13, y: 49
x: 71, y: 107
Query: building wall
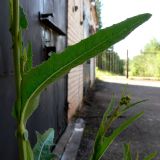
x: 93, y: 29
x: 82, y: 22
x: 90, y: 27
x: 51, y: 112
x: 75, y: 76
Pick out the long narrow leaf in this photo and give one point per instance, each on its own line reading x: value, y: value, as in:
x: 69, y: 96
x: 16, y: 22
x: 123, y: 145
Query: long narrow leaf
x: 137, y: 156
x: 101, y: 130
x: 22, y: 19
x: 127, y: 152
x: 132, y: 105
x: 108, y: 140
x: 29, y: 63
x: 11, y: 13
x: 151, y: 156
x: 39, y: 77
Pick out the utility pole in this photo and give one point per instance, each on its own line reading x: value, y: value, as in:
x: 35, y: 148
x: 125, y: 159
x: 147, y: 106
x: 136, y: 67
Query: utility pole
x: 127, y: 65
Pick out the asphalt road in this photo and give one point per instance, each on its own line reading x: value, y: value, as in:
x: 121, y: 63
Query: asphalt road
x: 144, y: 134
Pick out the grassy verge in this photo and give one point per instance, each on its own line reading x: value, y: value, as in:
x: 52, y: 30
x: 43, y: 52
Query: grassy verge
x: 145, y: 78
x: 101, y: 74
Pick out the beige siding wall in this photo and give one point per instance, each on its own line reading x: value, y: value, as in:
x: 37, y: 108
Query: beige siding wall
x: 75, y: 77
x: 94, y: 23
x: 76, y: 33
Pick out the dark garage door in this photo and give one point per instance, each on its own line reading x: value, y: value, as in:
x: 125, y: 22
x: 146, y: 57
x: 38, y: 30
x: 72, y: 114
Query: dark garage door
x: 46, y: 34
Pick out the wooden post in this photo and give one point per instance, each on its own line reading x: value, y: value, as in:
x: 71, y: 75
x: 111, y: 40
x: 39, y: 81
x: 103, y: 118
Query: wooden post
x: 127, y: 65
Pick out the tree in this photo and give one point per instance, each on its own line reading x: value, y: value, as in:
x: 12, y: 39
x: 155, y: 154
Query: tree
x: 110, y: 61
x: 147, y: 63
x: 153, y: 47
x: 98, y: 9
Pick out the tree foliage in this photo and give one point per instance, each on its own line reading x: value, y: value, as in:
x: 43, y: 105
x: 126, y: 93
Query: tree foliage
x: 147, y: 64
x: 153, y: 47
x: 98, y: 9
x: 110, y: 61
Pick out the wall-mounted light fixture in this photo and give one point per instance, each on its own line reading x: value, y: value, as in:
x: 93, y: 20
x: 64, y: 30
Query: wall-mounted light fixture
x: 75, y: 6
x: 93, y: 3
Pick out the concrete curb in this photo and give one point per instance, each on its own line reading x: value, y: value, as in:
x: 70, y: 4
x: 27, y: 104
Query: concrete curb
x: 68, y: 145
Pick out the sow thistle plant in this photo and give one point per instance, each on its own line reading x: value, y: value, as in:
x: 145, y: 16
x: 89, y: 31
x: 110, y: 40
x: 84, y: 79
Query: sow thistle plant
x: 31, y: 81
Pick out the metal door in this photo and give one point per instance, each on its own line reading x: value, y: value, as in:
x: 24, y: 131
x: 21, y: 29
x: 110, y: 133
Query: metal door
x: 45, y: 37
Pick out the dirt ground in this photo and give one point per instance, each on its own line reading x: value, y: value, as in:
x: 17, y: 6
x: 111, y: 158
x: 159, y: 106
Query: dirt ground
x: 143, y: 135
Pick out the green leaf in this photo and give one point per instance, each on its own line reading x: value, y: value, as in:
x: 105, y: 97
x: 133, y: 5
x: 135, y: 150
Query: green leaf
x: 124, y: 110
x: 14, y: 112
x: 32, y: 106
x: 29, y: 62
x: 42, y: 149
x: 102, y: 129
x: 23, y: 20
x: 11, y: 13
x: 107, y: 141
x: 127, y: 152
x: 23, y: 60
x: 29, y: 152
x: 137, y: 156
x: 26, y: 65
x: 151, y: 156
x: 34, y: 81
x: 109, y: 110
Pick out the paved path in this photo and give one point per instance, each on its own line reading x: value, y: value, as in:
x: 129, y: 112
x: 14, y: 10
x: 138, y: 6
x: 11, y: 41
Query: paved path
x: 144, y: 135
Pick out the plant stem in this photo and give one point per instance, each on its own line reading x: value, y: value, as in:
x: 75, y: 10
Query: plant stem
x: 17, y: 54
x: 21, y: 142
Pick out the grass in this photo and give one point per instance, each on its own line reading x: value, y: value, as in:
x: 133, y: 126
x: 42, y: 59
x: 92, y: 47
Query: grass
x: 145, y: 78
x: 101, y: 74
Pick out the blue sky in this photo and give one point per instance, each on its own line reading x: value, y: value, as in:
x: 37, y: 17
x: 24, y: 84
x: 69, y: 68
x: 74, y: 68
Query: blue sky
x: 114, y: 11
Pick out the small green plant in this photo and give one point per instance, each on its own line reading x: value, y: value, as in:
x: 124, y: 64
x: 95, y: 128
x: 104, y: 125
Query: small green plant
x: 31, y: 81
x: 128, y: 156
x: 103, y: 141
x: 44, y: 143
